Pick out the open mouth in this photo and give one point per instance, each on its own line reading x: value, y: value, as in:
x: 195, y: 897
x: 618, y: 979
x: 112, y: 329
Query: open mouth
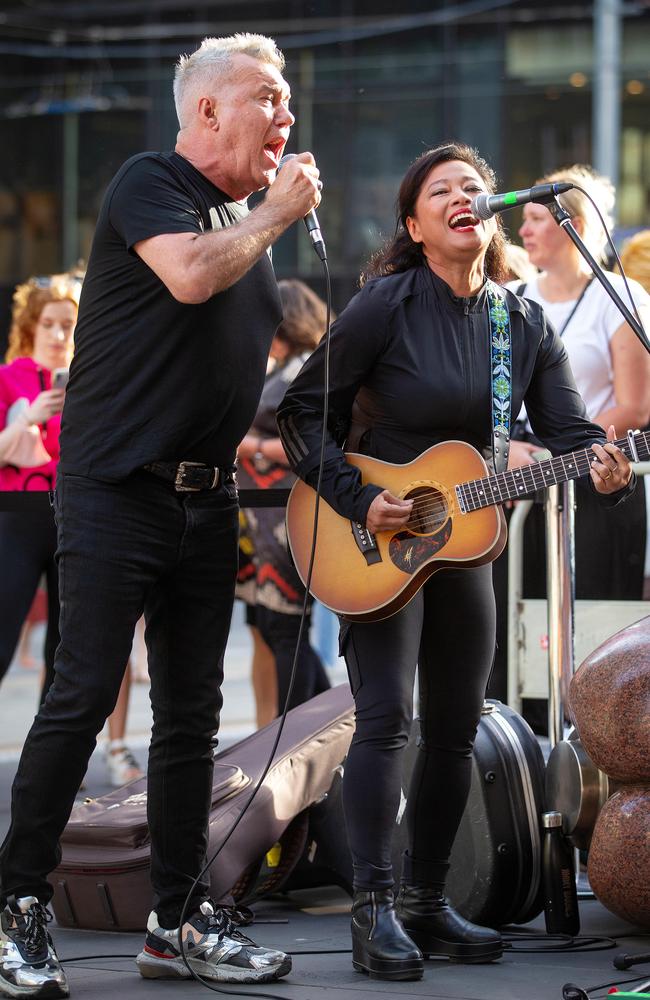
x: 463, y: 221
x: 274, y: 149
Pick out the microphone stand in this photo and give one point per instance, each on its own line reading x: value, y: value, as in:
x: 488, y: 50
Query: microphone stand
x: 560, y: 537
x: 563, y: 220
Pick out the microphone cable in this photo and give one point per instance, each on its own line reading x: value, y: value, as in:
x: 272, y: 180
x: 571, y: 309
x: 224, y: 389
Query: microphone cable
x: 570, y: 991
x: 303, y: 618
x: 551, y: 944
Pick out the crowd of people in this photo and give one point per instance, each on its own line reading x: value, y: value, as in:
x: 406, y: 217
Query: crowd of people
x: 170, y: 385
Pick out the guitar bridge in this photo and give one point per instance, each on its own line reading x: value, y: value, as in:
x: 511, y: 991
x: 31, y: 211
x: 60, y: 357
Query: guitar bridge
x: 366, y: 543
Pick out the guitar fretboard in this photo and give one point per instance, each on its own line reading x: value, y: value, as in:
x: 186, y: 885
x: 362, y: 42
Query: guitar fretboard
x: 527, y: 479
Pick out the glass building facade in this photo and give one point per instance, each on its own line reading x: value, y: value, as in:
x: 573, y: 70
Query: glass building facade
x: 85, y: 85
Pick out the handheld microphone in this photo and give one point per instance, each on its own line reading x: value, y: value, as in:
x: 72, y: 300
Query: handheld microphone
x: 484, y: 206
x: 310, y: 220
x: 627, y: 961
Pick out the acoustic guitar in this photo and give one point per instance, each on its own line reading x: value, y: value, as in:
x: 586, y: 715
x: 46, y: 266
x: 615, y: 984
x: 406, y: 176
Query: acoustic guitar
x: 456, y: 521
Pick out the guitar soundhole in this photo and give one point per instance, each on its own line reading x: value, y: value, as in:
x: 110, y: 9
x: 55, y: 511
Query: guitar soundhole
x: 429, y: 512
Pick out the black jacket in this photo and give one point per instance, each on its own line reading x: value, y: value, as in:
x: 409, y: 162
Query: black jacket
x: 410, y: 366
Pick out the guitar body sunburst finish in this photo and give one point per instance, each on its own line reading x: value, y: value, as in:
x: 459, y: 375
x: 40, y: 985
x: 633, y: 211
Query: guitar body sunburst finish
x: 438, y: 534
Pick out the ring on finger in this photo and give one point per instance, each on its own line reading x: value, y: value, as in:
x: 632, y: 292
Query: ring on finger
x: 608, y: 476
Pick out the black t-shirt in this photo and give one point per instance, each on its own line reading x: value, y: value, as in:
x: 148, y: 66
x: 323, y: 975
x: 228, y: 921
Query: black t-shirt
x: 153, y: 379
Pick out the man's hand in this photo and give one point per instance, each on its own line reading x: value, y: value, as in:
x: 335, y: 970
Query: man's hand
x: 611, y: 470
x: 388, y: 513
x: 296, y: 188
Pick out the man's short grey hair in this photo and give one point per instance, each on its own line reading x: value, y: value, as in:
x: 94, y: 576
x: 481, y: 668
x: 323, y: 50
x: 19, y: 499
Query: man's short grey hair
x: 212, y: 58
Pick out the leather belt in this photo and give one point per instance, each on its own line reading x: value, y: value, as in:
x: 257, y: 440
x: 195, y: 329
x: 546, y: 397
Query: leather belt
x: 191, y: 477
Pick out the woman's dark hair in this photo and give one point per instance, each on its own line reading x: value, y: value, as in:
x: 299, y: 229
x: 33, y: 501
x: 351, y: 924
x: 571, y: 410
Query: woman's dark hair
x: 401, y: 252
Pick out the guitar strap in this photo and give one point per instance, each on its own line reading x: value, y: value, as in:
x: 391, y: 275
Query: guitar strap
x: 501, y: 374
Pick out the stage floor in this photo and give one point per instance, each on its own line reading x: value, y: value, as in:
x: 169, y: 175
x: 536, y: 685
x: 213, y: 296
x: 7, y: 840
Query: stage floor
x: 314, y: 926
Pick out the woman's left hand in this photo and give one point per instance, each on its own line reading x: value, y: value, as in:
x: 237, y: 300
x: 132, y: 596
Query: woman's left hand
x: 610, y: 471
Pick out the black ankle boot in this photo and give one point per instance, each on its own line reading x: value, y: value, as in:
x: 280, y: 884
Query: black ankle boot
x: 379, y: 945
x: 437, y: 929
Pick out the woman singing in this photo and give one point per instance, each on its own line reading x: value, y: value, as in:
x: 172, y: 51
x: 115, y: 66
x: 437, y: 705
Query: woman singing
x: 410, y: 368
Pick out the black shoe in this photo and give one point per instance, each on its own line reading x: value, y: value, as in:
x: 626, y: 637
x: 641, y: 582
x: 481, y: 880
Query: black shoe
x: 380, y: 947
x: 28, y: 963
x: 437, y: 929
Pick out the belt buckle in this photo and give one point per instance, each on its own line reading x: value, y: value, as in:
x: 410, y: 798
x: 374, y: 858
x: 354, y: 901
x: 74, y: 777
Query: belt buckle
x: 179, y: 485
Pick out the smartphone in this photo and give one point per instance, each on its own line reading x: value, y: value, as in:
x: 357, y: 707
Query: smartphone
x: 60, y: 378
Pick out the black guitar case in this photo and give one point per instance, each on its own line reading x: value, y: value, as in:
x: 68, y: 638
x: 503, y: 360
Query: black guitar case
x: 495, y: 874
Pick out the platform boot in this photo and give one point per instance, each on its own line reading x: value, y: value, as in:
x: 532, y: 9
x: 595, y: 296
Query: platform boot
x: 439, y: 930
x: 380, y: 948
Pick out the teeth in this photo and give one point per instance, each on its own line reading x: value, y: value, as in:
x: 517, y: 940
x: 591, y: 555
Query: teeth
x: 463, y: 219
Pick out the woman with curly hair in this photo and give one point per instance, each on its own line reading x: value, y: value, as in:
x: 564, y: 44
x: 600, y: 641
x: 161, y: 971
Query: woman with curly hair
x: 44, y: 315
x: 32, y: 392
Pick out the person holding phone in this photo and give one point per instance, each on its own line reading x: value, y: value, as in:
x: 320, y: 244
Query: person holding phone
x: 32, y: 391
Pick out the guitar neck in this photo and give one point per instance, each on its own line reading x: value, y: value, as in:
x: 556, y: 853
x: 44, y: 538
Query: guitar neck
x: 529, y: 478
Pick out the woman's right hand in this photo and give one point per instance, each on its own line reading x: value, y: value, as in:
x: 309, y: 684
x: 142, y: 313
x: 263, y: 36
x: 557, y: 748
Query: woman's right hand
x: 46, y: 404
x: 387, y: 512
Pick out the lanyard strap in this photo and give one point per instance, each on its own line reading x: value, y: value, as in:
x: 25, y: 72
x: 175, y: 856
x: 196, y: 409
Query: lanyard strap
x: 521, y: 291
x: 501, y: 374
x: 573, y: 311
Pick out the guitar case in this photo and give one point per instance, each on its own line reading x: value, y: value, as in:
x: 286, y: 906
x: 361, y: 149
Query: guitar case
x: 495, y: 873
x: 102, y: 882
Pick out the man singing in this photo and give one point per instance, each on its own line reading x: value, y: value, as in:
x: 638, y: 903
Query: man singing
x: 177, y: 314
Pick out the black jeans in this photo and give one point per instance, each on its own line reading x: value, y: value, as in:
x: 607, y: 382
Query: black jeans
x: 27, y: 547
x: 448, y: 631
x: 123, y: 548
x: 280, y: 633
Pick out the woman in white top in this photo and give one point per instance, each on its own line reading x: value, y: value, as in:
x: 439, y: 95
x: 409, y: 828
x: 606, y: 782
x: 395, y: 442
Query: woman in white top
x: 612, y: 373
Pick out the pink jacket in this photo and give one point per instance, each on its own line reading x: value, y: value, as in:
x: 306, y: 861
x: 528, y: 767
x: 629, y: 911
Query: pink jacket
x: 24, y: 379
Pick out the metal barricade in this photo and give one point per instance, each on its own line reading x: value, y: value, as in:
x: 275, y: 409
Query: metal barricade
x: 547, y: 638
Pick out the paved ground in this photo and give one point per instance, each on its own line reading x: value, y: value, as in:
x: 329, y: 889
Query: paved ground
x: 314, y: 924
x: 19, y: 695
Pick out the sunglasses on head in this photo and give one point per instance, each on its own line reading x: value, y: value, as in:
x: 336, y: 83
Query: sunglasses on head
x: 47, y: 280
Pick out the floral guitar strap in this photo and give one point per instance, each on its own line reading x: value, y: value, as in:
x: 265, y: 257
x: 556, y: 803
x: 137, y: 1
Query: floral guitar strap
x: 501, y: 374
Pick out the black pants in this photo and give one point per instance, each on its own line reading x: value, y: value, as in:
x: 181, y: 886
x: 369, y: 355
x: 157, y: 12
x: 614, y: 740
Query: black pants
x: 448, y: 630
x: 123, y: 548
x: 280, y: 633
x: 27, y: 547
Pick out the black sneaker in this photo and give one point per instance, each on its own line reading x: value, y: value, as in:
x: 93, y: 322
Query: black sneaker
x: 214, y: 947
x: 28, y: 963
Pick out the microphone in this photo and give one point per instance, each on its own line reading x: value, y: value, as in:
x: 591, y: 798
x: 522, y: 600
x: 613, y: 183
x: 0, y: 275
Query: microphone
x: 310, y: 220
x: 627, y: 961
x: 484, y: 206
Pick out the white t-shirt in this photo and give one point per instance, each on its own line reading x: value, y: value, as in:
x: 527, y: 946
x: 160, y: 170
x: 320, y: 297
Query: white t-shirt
x: 588, y: 335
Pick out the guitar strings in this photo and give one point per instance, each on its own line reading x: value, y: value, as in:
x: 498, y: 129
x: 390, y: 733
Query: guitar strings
x: 508, y: 482
x: 425, y: 505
